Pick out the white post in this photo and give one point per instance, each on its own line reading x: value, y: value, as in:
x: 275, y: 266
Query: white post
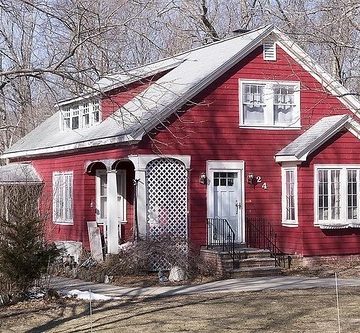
x: 112, y: 229
x: 141, y: 202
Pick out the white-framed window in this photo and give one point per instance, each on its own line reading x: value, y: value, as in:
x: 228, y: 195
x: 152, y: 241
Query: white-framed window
x: 81, y: 115
x: 337, y: 195
x: 63, y: 197
x: 269, y: 104
x: 102, y: 193
x: 289, y: 196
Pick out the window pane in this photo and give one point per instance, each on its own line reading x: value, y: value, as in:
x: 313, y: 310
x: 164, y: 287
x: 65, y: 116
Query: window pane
x: 323, y: 195
x: 253, y: 114
x: 103, y: 184
x: 66, y: 123
x: 284, y: 105
x: 290, y: 195
x: 335, y: 194
x: 75, y: 122
x: 96, y: 112
x: 253, y: 104
x: 352, y: 194
x: 103, y: 212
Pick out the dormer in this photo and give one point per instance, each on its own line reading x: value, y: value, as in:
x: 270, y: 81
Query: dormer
x: 80, y: 114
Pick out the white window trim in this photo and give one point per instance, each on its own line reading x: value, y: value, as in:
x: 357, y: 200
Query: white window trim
x: 79, y: 107
x: 55, y: 197
x: 269, y: 108
x: 122, y: 175
x: 344, y: 222
x: 285, y: 221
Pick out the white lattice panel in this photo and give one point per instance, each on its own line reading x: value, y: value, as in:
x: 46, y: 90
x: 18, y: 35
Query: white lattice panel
x: 166, y: 183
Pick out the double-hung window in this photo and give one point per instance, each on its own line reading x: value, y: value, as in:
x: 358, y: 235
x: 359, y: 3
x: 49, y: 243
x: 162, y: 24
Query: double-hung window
x: 269, y: 104
x: 337, y: 195
x: 63, y: 197
x: 289, y: 196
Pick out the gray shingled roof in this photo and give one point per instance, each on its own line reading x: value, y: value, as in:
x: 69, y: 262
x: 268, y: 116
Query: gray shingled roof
x: 18, y: 173
x: 314, y: 137
x: 190, y: 74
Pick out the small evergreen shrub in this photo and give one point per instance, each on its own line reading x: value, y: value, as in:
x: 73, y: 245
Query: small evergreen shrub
x: 24, y: 254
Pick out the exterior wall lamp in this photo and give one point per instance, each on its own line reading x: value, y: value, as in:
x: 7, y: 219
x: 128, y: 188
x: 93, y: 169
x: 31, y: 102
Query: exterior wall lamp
x: 251, y: 179
x: 203, y: 178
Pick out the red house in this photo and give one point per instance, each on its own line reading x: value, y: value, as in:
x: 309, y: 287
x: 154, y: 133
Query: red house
x: 242, y: 129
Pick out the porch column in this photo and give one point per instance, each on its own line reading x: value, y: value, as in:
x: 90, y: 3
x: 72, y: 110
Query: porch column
x: 141, y: 202
x: 112, y: 230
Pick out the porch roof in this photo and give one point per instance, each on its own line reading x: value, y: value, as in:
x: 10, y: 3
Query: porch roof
x: 299, y: 149
x: 18, y: 173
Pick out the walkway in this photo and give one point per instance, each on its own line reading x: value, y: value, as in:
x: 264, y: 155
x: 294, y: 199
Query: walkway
x: 231, y: 285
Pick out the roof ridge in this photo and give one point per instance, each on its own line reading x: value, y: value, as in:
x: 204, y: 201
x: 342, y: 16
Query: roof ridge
x: 191, y: 50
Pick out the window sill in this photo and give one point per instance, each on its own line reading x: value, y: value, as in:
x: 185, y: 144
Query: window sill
x: 333, y: 225
x: 339, y: 225
x: 269, y: 127
x: 289, y: 224
x: 63, y: 222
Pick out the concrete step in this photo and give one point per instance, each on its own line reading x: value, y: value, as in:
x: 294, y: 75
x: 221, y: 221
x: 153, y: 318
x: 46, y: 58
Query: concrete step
x: 254, y: 272
x: 246, y: 254
x: 256, y: 262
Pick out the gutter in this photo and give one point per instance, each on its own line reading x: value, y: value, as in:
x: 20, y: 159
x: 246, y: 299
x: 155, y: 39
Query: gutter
x: 71, y: 147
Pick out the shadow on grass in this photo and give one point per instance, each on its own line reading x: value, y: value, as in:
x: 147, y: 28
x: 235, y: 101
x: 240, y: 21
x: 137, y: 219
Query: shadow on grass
x: 263, y: 311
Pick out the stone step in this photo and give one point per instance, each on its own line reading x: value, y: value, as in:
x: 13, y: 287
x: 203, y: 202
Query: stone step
x: 254, y: 272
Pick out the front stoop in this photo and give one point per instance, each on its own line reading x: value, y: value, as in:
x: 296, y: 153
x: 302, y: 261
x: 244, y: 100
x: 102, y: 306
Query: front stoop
x: 249, y: 262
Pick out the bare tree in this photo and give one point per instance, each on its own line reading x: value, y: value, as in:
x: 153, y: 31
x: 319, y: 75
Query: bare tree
x: 59, y: 48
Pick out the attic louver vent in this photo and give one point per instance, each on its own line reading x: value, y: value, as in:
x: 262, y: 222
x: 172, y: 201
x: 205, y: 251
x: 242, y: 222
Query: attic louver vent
x: 269, y: 50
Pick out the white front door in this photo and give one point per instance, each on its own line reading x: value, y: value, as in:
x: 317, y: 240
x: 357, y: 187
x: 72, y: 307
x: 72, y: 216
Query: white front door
x: 225, y: 194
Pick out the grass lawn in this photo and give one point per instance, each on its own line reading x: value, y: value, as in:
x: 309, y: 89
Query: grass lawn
x: 312, y: 310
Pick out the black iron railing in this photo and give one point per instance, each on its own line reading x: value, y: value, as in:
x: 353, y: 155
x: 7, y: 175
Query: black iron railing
x: 261, y: 235
x: 220, y: 235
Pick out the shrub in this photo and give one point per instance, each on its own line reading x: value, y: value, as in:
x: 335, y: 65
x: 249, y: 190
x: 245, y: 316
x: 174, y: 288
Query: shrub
x: 24, y: 254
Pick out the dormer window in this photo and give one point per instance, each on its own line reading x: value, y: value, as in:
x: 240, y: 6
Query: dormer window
x: 80, y: 115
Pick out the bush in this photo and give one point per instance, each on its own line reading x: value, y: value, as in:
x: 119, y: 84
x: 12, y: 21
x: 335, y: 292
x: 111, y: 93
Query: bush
x: 24, y: 254
x: 153, y: 255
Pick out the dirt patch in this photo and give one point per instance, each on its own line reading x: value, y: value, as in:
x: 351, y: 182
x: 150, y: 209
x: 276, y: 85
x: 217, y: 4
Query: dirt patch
x: 344, y: 268
x: 266, y: 311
